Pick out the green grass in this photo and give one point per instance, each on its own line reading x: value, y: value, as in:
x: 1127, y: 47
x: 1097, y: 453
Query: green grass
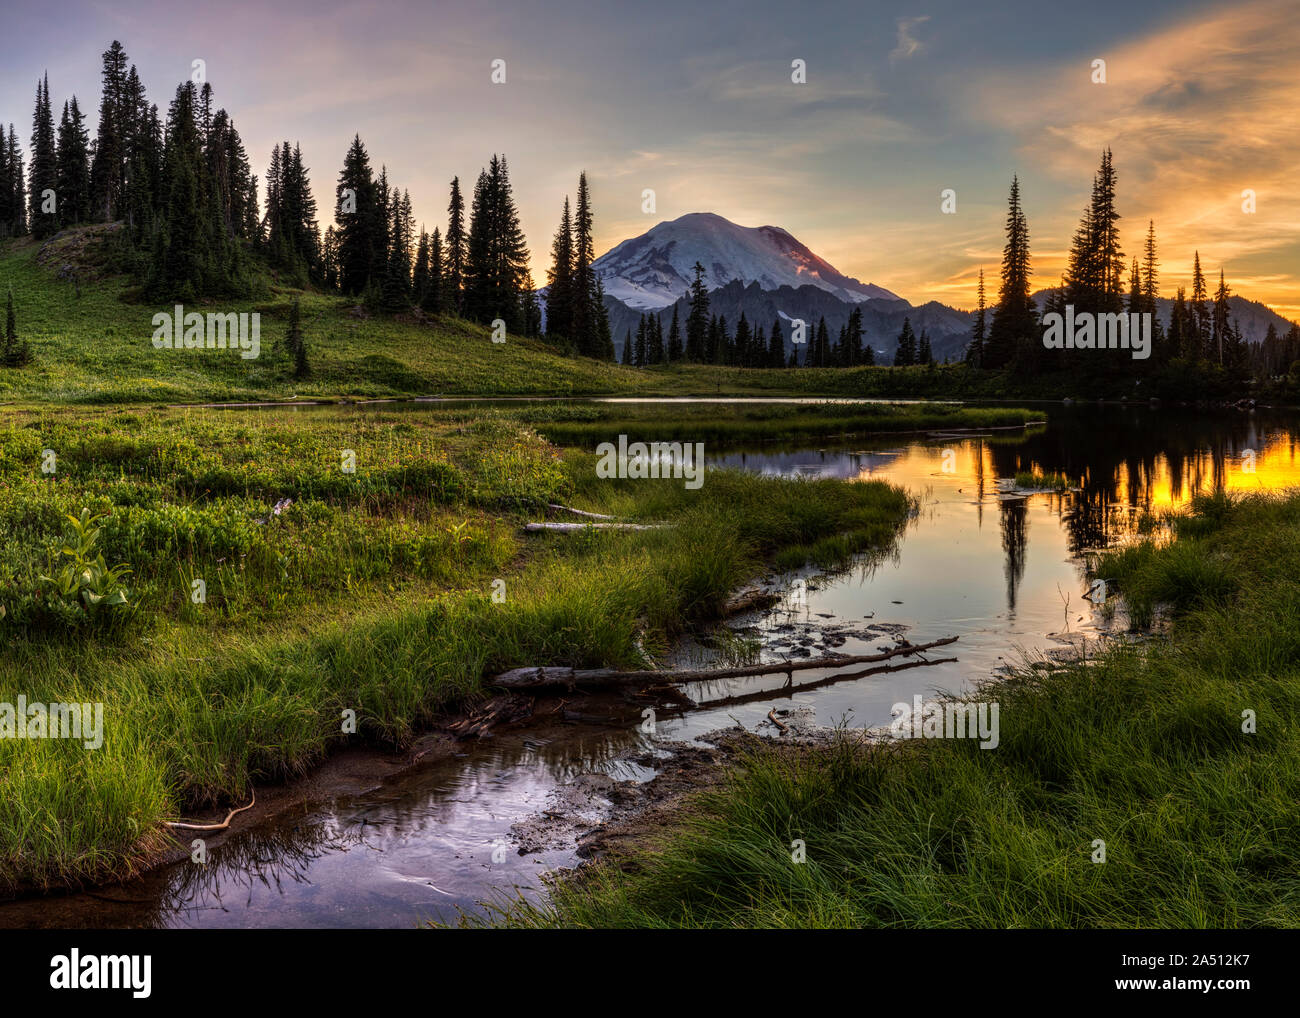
x: 586, y: 424
x: 1144, y: 750
x: 1045, y: 482
x: 370, y: 593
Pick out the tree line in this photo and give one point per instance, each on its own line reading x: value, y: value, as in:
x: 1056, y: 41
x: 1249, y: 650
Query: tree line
x: 1202, y: 338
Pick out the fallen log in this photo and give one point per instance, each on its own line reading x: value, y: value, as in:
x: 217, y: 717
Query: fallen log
x: 574, y: 528
x: 551, y: 675
x: 749, y: 599
x: 578, y: 512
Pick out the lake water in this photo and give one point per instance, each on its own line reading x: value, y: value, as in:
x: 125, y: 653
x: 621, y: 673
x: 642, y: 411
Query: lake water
x: 1000, y: 569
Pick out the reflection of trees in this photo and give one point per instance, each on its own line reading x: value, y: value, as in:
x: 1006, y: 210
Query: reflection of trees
x: 1014, y: 518
x: 1127, y: 460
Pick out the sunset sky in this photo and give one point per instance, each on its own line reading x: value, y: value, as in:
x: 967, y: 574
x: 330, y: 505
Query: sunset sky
x: 696, y: 101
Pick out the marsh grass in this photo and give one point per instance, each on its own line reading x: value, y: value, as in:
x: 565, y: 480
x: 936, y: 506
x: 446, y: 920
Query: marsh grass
x: 370, y: 592
x: 1143, y: 749
x: 1045, y: 482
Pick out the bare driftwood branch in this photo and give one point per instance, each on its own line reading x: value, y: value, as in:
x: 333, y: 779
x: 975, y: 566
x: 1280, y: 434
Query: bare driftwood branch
x: 181, y: 826
x: 788, y: 690
x: 577, y: 528
x: 578, y: 512
x: 536, y: 678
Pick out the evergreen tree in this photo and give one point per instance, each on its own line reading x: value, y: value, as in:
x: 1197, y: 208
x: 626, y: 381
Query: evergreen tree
x: 583, y: 304
x: 1150, y: 270
x: 642, y: 354
x: 6, y: 188
x: 602, y: 323
x: 330, y: 259
x: 674, y: 351
x: 16, y: 351
x: 697, y: 319
x: 744, y: 340
x: 1012, y: 332
x: 44, y: 170
x: 628, y: 350
x: 906, y: 353
x: 454, y: 250
x: 559, y: 296
x: 1136, y: 298
x: 1200, y: 320
x: 924, y: 354
x: 823, y: 343
x: 853, y: 334
x: 1182, y: 342
x: 73, y: 166
x: 357, y: 215
x: 1222, y: 336
x: 775, y: 346
x: 530, y: 308
x: 975, y: 352
x: 17, y: 223
x: 657, y: 350
x: 397, y: 275
x: 432, y: 301
x: 496, y: 253
x: 109, y: 167
x: 420, y: 270
x: 297, y: 345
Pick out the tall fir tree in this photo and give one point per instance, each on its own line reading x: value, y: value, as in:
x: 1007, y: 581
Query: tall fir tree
x: 357, y: 215
x: 674, y: 350
x: 454, y: 250
x: 109, y: 167
x: 496, y: 252
x: 1200, y: 321
x: 72, y: 173
x: 697, y: 319
x: 432, y: 301
x: 1012, y: 336
x: 559, y: 295
x: 584, y: 326
x: 979, y: 328
x: 43, y: 174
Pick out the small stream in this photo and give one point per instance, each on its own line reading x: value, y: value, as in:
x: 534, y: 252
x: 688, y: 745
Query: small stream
x: 1001, y: 569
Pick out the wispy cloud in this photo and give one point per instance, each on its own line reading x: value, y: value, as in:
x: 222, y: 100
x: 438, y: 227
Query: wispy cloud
x: 907, y: 45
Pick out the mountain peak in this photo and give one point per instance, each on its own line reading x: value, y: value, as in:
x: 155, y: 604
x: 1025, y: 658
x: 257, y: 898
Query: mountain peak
x: 656, y: 268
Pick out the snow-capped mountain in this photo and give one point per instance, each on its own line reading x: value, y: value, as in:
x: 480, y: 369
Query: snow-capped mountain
x: 656, y: 268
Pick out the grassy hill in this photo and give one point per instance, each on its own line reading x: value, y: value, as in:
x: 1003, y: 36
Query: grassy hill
x: 97, y: 347
x: 91, y: 334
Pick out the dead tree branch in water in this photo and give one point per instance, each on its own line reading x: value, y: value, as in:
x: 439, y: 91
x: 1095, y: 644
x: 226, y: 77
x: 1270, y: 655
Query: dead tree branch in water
x: 550, y: 675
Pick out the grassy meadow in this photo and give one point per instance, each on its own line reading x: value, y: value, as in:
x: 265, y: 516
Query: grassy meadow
x: 91, y: 335
x: 1181, y: 754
